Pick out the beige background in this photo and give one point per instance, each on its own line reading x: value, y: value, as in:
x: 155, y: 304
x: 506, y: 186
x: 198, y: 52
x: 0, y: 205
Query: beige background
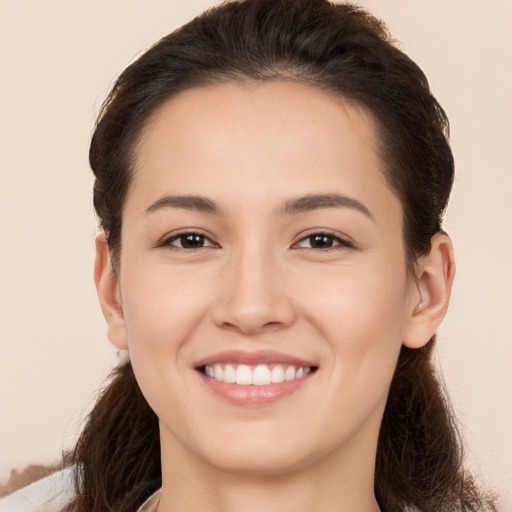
x: 57, y: 60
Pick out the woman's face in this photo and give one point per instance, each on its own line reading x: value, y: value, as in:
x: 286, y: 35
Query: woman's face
x: 260, y: 240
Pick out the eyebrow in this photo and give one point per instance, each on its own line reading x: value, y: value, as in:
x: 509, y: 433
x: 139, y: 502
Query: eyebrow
x: 197, y: 203
x: 293, y: 206
x: 317, y: 201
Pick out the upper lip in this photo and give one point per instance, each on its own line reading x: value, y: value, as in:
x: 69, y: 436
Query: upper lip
x: 252, y: 358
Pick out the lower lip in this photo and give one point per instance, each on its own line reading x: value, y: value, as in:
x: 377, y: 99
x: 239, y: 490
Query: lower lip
x: 254, y: 396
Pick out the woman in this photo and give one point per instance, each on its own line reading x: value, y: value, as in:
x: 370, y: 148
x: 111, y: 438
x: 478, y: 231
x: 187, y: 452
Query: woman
x: 271, y: 181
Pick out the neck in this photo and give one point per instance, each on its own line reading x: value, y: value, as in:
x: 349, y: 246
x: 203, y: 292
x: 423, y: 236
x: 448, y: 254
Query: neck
x: 342, y: 482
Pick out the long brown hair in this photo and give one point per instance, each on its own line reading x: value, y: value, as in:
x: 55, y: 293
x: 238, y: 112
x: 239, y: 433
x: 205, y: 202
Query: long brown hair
x: 346, y: 51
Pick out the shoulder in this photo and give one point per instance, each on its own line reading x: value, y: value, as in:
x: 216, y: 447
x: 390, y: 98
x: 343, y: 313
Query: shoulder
x: 50, y: 494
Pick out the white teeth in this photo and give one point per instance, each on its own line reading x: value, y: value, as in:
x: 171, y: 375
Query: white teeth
x: 290, y: 373
x: 261, y: 375
x: 243, y: 375
x: 229, y: 374
x: 277, y: 374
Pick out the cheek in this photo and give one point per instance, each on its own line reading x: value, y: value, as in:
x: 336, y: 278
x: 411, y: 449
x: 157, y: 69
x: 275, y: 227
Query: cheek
x: 354, y: 300
x: 361, y: 314
x: 162, y: 308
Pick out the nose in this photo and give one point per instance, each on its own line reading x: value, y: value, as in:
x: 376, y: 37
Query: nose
x: 253, y: 298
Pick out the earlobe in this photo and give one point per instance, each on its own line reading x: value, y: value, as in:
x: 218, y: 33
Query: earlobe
x: 107, y: 287
x: 429, y: 303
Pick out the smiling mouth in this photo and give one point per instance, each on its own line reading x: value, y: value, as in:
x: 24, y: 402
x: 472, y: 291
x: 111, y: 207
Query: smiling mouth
x: 255, y: 375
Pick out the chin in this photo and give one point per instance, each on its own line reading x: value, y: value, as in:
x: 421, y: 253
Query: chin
x: 281, y: 453
x: 254, y: 463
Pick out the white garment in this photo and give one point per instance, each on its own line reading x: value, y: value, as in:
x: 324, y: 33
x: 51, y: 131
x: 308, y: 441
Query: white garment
x: 52, y: 494
x: 151, y: 503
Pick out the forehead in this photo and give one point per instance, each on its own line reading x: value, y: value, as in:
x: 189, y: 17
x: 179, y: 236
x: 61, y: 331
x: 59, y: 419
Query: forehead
x: 258, y: 141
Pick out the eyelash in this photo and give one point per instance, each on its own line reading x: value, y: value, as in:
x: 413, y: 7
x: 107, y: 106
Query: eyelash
x: 183, y: 236
x: 333, y: 238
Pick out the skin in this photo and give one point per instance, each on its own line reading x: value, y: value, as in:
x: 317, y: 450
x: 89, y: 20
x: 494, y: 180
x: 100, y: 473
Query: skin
x: 257, y: 283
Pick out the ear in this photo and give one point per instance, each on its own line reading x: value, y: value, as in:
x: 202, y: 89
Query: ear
x: 107, y: 286
x: 431, y: 292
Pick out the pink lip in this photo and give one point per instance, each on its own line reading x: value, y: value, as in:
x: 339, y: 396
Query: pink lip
x: 252, y: 358
x: 254, y: 396
x: 251, y: 395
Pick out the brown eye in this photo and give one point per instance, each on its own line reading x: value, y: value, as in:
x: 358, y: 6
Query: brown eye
x: 189, y: 241
x: 323, y: 241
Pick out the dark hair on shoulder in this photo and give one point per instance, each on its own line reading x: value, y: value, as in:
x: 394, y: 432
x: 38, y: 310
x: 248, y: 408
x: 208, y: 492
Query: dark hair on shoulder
x: 344, y: 51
